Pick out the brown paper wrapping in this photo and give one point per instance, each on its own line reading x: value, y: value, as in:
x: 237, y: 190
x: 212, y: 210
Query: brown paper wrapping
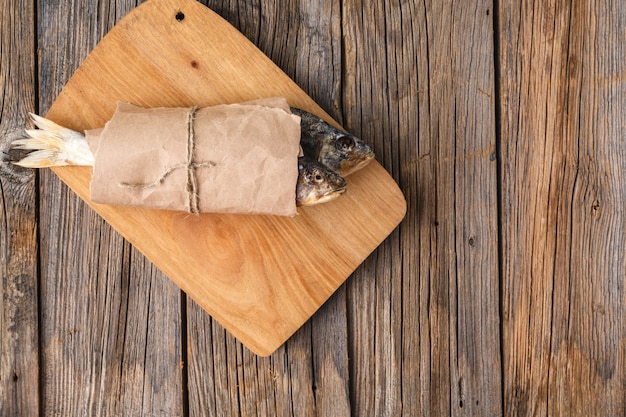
x: 244, y: 158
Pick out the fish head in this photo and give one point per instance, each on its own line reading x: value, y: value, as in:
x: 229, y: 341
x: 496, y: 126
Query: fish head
x: 316, y: 183
x: 353, y: 154
x: 340, y: 151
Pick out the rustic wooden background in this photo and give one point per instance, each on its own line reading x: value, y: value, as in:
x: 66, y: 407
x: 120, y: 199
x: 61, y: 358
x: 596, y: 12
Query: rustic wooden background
x: 501, y: 293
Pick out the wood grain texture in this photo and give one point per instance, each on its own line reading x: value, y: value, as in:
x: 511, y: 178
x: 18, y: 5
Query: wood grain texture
x: 425, y: 307
x: 244, y: 270
x: 564, y: 167
x: 308, y: 376
x: 111, y: 331
x: 19, y: 338
x: 389, y: 341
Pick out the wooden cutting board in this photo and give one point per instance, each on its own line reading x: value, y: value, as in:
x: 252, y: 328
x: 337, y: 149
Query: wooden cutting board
x: 261, y: 277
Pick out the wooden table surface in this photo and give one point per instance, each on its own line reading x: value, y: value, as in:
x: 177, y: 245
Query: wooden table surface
x: 501, y: 292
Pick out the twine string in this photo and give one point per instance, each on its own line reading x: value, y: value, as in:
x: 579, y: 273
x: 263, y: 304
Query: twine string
x: 192, y: 182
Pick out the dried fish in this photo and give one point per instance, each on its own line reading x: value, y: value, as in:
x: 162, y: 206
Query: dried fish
x: 340, y: 151
x: 54, y: 145
x: 317, y: 183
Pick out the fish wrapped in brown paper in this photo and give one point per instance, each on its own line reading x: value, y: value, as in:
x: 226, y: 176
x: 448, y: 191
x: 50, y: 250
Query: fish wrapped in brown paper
x: 234, y: 158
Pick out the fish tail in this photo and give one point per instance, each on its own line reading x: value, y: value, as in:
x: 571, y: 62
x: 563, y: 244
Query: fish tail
x: 53, y: 145
x: 42, y: 159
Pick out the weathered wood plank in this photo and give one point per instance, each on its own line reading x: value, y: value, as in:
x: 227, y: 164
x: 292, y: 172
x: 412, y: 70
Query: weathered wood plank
x: 19, y: 362
x: 528, y: 92
x: 424, y: 310
x: 111, y: 323
x: 330, y: 357
x: 564, y: 230
x: 588, y: 355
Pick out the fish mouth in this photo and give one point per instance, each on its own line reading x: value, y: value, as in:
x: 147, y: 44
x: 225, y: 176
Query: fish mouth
x: 323, y: 197
x: 360, y: 164
x: 331, y: 195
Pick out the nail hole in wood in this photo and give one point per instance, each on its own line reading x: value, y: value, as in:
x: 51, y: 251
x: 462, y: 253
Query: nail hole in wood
x: 180, y: 16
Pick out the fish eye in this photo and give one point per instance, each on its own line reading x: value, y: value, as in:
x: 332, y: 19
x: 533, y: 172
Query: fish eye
x: 345, y: 143
x: 317, y: 176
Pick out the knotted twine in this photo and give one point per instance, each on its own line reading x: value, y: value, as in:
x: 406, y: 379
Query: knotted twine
x: 189, y: 165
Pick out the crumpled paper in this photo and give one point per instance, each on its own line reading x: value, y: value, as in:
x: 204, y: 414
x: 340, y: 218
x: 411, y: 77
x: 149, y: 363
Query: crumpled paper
x: 244, y: 158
